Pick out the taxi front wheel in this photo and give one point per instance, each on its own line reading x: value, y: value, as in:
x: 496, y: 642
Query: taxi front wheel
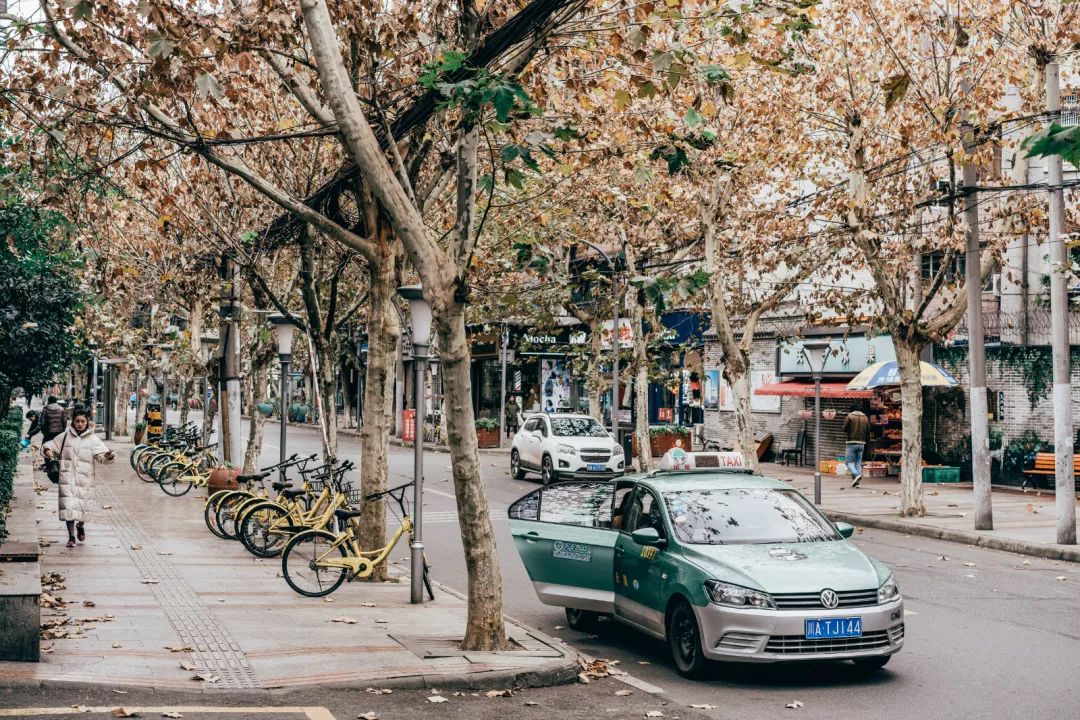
x: 582, y: 620
x: 684, y: 640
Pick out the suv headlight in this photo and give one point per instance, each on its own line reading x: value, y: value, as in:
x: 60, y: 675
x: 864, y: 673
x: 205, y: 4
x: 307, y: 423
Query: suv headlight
x: 888, y: 591
x: 723, y: 593
x: 617, y: 451
x: 567, y: 449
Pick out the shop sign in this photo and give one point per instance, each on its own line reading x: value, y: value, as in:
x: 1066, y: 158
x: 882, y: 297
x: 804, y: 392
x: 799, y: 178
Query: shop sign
x: 847, y: 355
x: 626, y: 333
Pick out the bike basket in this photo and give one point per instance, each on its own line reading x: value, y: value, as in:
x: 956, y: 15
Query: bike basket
x: 353, y: 496
x: 316, y: 486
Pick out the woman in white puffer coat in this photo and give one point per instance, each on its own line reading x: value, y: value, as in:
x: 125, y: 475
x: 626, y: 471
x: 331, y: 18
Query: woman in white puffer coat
x: 77, y: 449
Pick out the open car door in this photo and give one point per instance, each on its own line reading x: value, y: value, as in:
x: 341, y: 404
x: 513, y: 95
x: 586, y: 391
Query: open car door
x: 564, y: 535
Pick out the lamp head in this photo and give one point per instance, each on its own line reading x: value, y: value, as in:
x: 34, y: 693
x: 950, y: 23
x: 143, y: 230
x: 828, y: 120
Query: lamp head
x: 816, y: 350
x: 283, y: 329
x: 419, y: 313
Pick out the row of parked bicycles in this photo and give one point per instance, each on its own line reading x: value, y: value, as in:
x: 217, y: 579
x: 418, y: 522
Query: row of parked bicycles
x: 309, y: 516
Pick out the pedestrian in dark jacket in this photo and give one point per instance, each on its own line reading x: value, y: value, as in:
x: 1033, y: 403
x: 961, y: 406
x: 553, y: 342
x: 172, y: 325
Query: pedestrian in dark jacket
x: 857, y: 432
x: 53, y: 420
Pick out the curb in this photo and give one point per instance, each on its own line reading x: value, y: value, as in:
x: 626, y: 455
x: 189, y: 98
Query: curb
x: 1021, y: 547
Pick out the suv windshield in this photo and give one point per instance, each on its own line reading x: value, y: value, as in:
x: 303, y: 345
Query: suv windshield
x: 577, y: 427
x: 745, y: 516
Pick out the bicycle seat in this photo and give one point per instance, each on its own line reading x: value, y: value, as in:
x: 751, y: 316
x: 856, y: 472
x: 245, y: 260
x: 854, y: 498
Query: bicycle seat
x: 279, y: 486
x: 251, y: 478
x: 291, y: 494
x: 346, y: 513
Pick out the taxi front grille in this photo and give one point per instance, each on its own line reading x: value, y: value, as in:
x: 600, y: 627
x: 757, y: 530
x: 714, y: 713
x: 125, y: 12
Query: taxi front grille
x: 799, y: 645
x: 812, y: 601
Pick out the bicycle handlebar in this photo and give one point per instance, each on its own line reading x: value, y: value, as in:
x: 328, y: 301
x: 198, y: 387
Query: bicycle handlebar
x: 391, y: 491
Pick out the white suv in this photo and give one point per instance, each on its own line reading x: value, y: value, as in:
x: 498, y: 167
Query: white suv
x: 563, y: 446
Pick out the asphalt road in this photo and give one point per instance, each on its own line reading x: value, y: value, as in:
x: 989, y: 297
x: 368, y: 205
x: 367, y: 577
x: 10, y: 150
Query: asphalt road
x: 989, y: 634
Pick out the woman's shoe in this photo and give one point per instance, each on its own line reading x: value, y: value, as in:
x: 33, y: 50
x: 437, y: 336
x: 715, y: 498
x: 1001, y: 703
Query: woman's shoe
x: 81, y: 532
x: 71, y: 542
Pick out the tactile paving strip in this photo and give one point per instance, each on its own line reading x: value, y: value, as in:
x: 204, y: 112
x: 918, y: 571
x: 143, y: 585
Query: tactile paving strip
x: 216, y: 652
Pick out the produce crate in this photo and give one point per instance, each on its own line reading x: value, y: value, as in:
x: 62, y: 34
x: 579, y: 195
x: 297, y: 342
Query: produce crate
x: 875, y: 469
x: 893, y: 469
x: 841, y: 469
x: 940, y: 474
x: 827, y: 467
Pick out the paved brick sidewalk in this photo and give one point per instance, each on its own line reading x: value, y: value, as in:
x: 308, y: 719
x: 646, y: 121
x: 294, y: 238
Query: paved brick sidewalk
x: 152, y: 593
x: 1023, y: 522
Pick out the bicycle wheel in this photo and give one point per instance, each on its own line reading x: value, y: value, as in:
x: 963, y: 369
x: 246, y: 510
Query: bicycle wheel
x: 210, y: 511
x: 300, y: 567
x: 260, y: 531
x: 144, y: 460
x: 177, y: 478
x: 226, y: 512
x: 136, y: 453
x: 157, y: 463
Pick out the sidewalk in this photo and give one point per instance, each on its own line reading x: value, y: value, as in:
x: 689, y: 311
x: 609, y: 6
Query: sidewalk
x: 1023, y: 522
x: 153, y: 599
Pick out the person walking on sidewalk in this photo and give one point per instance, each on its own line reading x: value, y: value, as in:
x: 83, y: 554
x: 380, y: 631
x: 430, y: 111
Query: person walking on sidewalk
x: 77, y: 449
x: 513, y: 412
x: 53, y: 420
x: 857, y: 431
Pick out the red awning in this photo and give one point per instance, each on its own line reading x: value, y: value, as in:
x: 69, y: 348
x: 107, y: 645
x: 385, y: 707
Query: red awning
x: 800, y: 389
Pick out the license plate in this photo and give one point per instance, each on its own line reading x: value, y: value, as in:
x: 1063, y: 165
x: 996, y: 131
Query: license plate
x: 596, y: 467
x: 823, y: 628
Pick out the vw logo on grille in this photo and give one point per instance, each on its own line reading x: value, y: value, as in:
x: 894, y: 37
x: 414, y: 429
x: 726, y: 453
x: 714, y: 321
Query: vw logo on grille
x: 829, y: 599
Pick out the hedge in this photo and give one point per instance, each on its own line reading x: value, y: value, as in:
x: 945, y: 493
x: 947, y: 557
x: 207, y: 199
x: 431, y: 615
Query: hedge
x: 10, y: 434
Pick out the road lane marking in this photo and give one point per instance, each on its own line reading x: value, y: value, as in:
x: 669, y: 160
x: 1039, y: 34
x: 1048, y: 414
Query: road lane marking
x: 309, y: 713
x: 640, y: 684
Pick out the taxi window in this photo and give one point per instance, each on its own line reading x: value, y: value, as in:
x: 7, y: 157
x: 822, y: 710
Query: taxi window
x: 527, y: 508
x: 581, y: 504
x: 645, y: 513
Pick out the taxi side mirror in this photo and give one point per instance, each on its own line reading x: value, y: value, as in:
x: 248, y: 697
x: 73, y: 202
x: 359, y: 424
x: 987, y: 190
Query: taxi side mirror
x: 845, y: 529
x: 648, y: 536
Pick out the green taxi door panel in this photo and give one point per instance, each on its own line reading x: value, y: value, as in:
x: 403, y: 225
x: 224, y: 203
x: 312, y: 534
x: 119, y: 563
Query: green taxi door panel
x: 564, y: 537
x: 641, y: 570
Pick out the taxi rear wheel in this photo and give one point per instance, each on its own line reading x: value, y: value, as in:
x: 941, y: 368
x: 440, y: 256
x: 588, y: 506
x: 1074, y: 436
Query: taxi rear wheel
x: 582, y: 620
x: 684, y: 641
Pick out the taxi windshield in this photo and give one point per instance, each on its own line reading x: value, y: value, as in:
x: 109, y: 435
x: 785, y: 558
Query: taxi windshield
x: 737, y: 516
x: 577, y: 427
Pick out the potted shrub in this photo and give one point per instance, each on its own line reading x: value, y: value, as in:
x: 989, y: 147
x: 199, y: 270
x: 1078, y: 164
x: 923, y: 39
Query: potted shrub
x: 265, y: 407
x: 664, y: 437
x: 487, y: 432
x: 140, y: 431
x: 298, y: 412
x: 806, y: 414
x: 223, y: 478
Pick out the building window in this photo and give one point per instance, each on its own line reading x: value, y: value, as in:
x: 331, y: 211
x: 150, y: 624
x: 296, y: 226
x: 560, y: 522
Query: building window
x: 931, y: 264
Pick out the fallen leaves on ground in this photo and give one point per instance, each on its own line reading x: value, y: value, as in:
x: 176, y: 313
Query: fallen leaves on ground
x: 969, y: 564
x: 498, y: 693
x: 794, y: 705
x: 344, y: 619
x: 703, y: 706
x: 623, y: 693
x: 437, y: 699
x: 44, y: 542
x: 654, y: 713
x: 123, y: 713
x: 970, y: 576
x: 378, y: 691
x: 117, y: 645
x: 136, y: 546
x: 187, y: 665
x: 180, y: 648
x: 531, y: 703
x: 120, y: 692
x: 944, y: 557
x: 596, y: 668
x: 80, y: 708
x: 50, y: 601
x: 171, y: 715
x: 1060, y: 577
x: 89, y: 603
x: 206, y: 677
x: 149, y: 581
x: 51, y: 582
x: 368, y: 716
x: 368, y: 604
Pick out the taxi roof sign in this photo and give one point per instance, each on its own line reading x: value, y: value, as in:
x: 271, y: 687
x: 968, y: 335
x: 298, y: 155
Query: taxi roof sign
x: 678, y: 459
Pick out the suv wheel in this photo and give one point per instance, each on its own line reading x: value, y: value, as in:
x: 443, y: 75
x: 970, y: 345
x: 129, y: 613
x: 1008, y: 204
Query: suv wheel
x: 515, y: 466
x: 547, y: 471
x: 684, y: 641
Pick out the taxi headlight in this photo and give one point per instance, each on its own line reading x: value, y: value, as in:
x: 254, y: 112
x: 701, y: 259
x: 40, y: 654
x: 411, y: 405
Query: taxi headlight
x: 567, y: 449
x: 888, y: 591
x: 723, y: 593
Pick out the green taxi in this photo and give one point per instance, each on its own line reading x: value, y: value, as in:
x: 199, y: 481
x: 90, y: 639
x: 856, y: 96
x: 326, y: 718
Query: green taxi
x: 719, y: 563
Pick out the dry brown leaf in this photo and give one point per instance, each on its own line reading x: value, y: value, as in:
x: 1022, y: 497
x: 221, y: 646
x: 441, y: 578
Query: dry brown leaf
x: 345, y: 620
x: 89, y: 603
x: 378, y: 691
x: 794, y: 705
x: 368, y: 716
x: 623, y: 693
x: 1060, y: 577
x: 498, y: 693
x: 123, y: 713
x: 180, y: 648
x: 654, y: 713
x: 187, y: 665
x: 437, y: 699
x: 703, y: 706
x: 171, y: 714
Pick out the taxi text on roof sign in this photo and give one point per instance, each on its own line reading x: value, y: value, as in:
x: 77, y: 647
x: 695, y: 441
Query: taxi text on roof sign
x: 678, y: 459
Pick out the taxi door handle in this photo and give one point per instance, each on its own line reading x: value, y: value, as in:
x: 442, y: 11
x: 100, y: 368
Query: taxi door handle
x: 618, y: 551
x: 532, y: 536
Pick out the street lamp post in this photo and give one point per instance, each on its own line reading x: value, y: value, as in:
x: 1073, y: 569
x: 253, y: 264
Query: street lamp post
x: 815, y: 351
x: 283, y: 328
x: 420, y: 322
x: 93, y: 346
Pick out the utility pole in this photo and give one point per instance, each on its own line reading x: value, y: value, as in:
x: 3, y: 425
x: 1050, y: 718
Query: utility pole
x: 1059, y: 332
x: 980, y: 434
x: 229, y: 394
